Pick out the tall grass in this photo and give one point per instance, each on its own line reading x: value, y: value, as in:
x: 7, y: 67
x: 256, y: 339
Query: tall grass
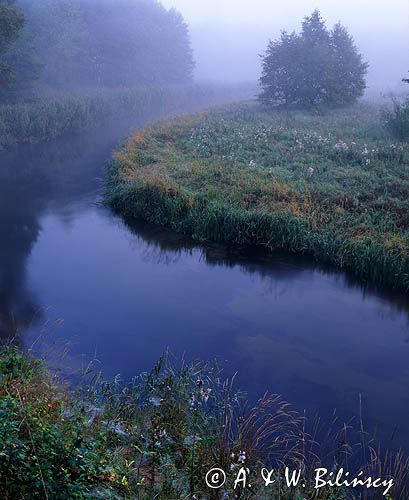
x: 158, y: 436
x: 397, y: 120
x: 334, y: 187
x: 45, y: 119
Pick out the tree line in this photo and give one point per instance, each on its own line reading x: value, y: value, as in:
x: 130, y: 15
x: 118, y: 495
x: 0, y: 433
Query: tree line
x: 69, y: 44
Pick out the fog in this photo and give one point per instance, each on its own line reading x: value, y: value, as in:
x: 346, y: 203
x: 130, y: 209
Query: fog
x: 228, y: 35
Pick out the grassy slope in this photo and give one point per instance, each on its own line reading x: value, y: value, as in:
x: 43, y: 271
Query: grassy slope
x: 333, y: 186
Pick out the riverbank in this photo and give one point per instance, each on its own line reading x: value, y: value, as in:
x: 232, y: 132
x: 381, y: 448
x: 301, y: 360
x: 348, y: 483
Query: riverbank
x: 334, y: 186
x: 160, y: 435
x: 45, y: 119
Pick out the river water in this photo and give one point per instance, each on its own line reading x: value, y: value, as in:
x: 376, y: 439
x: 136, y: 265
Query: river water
x: 76, y: 278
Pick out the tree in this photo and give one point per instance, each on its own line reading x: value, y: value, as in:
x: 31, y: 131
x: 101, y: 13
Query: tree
x: 112, y: 43
x: 22, y: 57
x: 317, y: 67
x: 349, y: 70
x: 11, y: 23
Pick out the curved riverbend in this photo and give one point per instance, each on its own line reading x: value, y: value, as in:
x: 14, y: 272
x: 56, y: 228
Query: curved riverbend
x: 126, y: 293
x: 316, y: 185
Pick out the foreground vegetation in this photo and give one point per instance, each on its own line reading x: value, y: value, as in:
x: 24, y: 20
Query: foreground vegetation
x: 158, y: 436
x: 335, y: 186
x: 46, y: 119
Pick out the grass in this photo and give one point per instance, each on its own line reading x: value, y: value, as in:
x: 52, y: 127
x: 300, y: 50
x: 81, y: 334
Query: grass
x: 397, y: 120
x: 48, y: 118
x: 158, y: 436
x: 333, y: 186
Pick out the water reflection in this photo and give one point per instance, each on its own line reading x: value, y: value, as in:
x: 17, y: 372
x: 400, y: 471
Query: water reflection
x: 126, y: 292
x: 19, y: 230
x: 34, y: 178
x: 284, y: 323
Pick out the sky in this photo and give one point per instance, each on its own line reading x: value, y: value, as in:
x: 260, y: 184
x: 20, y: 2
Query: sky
x: 228, y: 35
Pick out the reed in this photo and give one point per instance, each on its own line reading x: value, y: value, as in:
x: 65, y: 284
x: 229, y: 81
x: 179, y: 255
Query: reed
x: 45, y: 119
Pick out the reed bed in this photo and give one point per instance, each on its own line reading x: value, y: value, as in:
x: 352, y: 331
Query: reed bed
x: 334, y: 186
x: 45, y: 119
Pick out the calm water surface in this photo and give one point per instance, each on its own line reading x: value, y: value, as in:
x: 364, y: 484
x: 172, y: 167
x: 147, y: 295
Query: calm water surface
x: 74, y: 275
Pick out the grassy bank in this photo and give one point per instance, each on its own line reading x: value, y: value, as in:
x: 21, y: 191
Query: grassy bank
x: 332, y: 186
x: 47, y: 118
x: 158, y: 436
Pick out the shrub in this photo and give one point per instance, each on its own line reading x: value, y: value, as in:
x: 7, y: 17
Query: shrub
x: 312, y: 69
x: 397, y: 120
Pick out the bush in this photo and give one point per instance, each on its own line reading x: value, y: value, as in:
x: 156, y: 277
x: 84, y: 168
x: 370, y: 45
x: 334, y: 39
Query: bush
x: 397, y: 120
x: 316, y: 68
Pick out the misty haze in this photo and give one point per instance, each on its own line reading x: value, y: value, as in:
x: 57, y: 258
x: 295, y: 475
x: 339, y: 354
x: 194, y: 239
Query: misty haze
x: 227, y: 34
x: 204, y: 260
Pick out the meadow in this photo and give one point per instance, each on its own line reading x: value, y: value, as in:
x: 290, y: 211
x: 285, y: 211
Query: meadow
x: 334, y: 186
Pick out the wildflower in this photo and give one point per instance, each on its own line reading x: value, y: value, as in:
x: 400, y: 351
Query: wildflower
x: 242, y: 457
x: 205, y: 394
x: 155, y: 401
x: 311, y: 171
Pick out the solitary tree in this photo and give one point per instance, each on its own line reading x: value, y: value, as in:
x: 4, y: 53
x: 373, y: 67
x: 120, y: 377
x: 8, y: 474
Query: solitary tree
x: 11, y: 23
x: 316, y: 67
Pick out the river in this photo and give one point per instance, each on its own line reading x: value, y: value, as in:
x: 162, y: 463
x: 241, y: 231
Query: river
x: 77, y: 279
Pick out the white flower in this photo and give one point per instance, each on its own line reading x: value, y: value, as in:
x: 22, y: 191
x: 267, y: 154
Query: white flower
x: 205, y: 394
x: 155, y: 401
x: 242, y: 457
x: 311, y: 171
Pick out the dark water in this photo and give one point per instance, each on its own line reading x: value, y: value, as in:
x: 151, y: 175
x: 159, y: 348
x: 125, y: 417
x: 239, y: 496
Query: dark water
x: 124, y: 295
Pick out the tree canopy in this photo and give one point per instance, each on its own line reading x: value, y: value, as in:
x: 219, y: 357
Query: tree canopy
x: 69, y: 44
x: 317, y: 67
x: 11, y: 23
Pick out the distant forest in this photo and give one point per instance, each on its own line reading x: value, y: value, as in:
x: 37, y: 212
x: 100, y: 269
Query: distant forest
x: 70, y: 44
